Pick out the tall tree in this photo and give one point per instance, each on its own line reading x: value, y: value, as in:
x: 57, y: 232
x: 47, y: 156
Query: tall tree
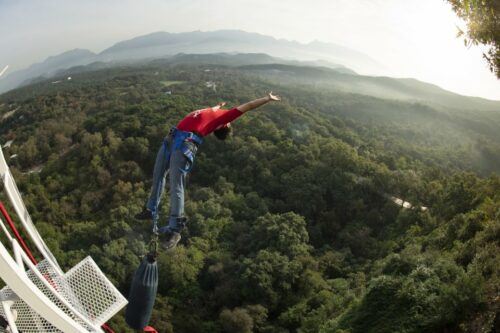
x: 483, y: 27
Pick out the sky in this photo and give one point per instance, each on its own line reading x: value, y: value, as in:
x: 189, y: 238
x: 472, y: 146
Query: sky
x: 409, y: 38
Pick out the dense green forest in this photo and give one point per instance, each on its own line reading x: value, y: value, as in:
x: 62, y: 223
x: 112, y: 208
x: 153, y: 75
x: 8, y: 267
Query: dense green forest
x: 291, y: 227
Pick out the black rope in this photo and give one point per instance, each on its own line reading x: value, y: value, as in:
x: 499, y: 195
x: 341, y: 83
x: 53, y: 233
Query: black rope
x: 3, y: 322
x: 154, y: 242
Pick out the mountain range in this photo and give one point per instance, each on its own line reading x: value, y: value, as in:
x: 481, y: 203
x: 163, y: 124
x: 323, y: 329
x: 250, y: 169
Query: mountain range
x: 164, y: 44
x: 331, y: 65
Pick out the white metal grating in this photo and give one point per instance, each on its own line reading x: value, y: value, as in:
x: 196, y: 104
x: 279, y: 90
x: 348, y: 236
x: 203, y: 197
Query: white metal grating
x: 79, y: 301
x: 98, y: 296
x: 84, y: 287
x: 28, y: 320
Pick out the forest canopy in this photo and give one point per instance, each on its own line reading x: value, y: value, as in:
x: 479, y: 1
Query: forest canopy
x: 292, y: 221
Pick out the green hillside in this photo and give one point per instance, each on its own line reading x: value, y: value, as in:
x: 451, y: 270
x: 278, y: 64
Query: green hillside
x: 290, y: 225
x: 377, y: 86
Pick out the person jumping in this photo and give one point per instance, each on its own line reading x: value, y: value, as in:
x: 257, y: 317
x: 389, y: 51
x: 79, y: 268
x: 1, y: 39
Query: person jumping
x: 176, y: 157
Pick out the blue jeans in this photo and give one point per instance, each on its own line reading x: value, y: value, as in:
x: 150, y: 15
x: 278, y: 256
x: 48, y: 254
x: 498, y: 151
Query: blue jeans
x: 177, y: 164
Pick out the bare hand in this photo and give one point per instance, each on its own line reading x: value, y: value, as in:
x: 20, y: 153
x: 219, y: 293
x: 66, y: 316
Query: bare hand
x: 273, y: 97
x: 221, y: 104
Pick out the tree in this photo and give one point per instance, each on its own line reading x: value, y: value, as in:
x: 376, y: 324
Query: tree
x: 236, y: 321
x: 284, y: 233
x: 483, y: 25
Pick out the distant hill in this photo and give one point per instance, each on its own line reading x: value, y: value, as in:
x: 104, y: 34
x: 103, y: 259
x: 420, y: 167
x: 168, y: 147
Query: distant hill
x: 47, y: 68
x: 382, y: 87
x: 164, y: 44
x: 316, y: 63
x: 159, y: 44
x: 334, y: 77
x: 248, y: 59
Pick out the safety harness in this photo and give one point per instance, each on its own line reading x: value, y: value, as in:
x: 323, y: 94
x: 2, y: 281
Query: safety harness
x: 180, y: 136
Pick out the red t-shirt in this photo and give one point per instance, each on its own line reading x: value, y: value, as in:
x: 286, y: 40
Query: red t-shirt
x: 206, y: 121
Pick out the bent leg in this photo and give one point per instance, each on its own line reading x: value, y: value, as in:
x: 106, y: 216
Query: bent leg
x: 159, y: 174
x: 181, y: 161
x: 178, y: 171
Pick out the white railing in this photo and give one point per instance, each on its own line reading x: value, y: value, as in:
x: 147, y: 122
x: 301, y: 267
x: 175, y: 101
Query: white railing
x: 15, y: 199
x: 44, y: 298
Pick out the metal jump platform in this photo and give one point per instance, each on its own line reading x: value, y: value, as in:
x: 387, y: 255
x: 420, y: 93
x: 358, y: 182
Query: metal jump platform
x: 39, y: 296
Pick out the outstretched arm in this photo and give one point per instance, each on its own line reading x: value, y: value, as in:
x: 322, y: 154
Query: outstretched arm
x: 258, y: 102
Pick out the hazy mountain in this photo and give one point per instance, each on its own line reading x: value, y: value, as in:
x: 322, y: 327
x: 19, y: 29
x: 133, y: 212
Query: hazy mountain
x: 315, y: 63
x: 225, y: 59
x: 164, y: 44
x: 242, y: 59
x: 47, y: 68
x: 159, y: 44
x: 378, y: 86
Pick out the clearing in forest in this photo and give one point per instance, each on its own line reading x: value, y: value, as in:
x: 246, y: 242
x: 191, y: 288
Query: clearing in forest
x: 171, y: 83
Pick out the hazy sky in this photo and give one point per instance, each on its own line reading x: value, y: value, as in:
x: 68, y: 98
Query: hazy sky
x: 411, y: 38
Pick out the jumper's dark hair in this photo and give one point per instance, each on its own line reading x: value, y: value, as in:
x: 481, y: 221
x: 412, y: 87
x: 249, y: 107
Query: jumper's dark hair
x: 222, y: 133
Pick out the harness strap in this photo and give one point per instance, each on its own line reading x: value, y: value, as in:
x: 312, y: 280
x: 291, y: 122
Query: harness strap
x: 180, y: 136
